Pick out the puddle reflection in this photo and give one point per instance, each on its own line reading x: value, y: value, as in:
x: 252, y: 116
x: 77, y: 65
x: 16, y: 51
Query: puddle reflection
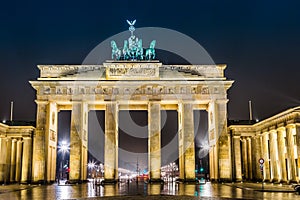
x: 90, y: 189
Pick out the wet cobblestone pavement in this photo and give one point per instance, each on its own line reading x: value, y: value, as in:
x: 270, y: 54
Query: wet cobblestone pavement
x: 146, y: 191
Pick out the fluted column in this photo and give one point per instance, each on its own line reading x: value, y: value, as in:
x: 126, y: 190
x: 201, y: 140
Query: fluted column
x: 266, y: 155
x: 188, y: 137
x: 84, y: 141
x: 8, y: 160
x: 274, y: 156
x: 2, y: 156
x: 75, y: 142
x: 26, y: 160
x: 237, y: 157
x: 19, y: 160
x: 180, y: 143
x: 5, y: 155
x: 257, y: 154
x: 39, y: 156
x: 213, y: 131
x: 111, y: 142
x: 51, y: 142
x: 249, y: 158
x: 290, y: 135
x: 281, y: 139
x: 297, y: 133
x: 154, y: 141
x: 245, y: 158
x: 13, y: 160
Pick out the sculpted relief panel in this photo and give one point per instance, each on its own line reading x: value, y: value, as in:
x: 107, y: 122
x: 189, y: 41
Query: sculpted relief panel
x: 130, y: 90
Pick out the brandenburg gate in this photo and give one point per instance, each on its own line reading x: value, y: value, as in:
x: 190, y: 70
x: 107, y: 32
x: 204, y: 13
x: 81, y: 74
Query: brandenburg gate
x: 133, y: 80
x: 129, y: 85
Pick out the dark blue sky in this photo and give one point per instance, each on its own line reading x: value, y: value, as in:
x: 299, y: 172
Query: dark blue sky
x: 258, y: 40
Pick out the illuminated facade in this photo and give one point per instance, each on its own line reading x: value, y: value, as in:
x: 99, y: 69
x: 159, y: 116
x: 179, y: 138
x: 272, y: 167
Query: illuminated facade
x: 130, y: 85
x: 28, y: 154
x: 276, y: 140
x: 15, y: 153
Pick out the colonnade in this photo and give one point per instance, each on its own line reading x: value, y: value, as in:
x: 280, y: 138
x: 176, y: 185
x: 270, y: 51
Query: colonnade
x: 279, y: 146
x: 45, y: 139
x: 15, y: 154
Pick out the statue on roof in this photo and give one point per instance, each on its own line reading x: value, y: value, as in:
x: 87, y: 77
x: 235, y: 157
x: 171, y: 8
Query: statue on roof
x: 133, y: 47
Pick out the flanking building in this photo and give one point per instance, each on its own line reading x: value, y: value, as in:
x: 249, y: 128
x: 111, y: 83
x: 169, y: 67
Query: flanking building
x: 274, y: 141
x: 16, y: 152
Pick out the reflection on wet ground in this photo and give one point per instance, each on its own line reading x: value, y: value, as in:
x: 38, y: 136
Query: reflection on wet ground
x: 140, y: 189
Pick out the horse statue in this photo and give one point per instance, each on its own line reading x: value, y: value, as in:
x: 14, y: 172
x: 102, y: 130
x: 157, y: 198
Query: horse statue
x: 125, y: 51
x: 140, y: 51
x: 150, y: 52
x: 115, y: 52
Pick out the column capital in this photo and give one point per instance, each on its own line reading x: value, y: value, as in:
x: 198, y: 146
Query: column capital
x: 265, y: 133
x: 273, y: 131
x: 290, y: 126
x: 222, y: 101
x: 41, y: 102
x: 281, y: 128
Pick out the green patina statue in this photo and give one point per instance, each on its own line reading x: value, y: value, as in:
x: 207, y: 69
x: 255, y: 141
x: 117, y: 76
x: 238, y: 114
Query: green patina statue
x: 150, y: 52
x: 132, y: 48
x: 115, y: 52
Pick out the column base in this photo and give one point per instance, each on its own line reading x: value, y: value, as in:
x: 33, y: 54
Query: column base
x: 109, y: 182
x: 274, y: 180
x: 155, y: 181
x: 25, y: 182
x: 192, y: 181
x: 292, y: 181
x: 39, y: 182
x: 74, y: 181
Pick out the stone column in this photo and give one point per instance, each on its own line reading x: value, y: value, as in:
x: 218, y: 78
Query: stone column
x: 266, y: 156
x: 51, y: 142
x: 249, y: 158
x: 290, y: 134
x: 213, y: 164
x: 213, y: 131
x: 8, y: 159
x: 26, y: 160
x: 2, y: 156
x: 244, y: 158
x: 154, y: 141
x: 84, y: 142
x: 13, y: 160
x: 75, y: 142
x: 237, y: 157
x: 180, y: 143
x: 18, y: 160
x: 274, y: 155
x: 281, y: 135
x: 5, y: 155
x: 297, y: 133
x: 111, y: 142
x: 189, y: 145
x: 257, y: 154
x: 39, y: 156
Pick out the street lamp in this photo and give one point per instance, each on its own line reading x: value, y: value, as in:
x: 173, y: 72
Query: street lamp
x: 63, y: 148
x: 91, y: 166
